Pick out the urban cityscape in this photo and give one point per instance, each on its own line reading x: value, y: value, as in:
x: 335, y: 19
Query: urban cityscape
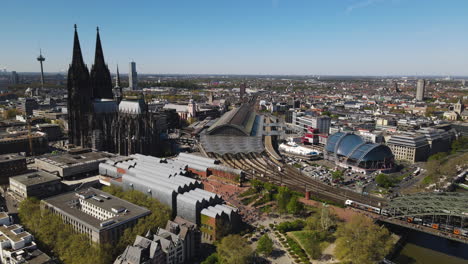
x: 120, y: 144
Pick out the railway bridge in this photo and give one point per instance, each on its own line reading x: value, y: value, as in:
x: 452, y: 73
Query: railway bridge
x: 441, y: 214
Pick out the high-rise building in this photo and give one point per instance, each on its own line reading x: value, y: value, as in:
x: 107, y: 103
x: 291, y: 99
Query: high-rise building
x: 420, y: 90
x: 14, y: 78
x: 242, y: 90
x: 133, y: 77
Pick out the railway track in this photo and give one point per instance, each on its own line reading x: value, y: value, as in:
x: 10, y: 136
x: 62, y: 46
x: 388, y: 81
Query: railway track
x: 266, y: 165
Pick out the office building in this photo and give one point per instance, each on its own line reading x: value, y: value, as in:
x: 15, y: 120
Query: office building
x: 74, y: 163
x: 28, y: 106
x: 53, y: 131
x: 14, y: 79
x: 102, y: 217
x: 20, y: 142
x: 242, y: 90
x: 410, y: 146
x: 11, y: 165
x: 37, y: 184
x: 420, y: 90
x: 303, y: 122
x: 132, y: 76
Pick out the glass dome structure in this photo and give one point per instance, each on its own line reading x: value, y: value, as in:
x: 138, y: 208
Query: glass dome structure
x: 352, y: 149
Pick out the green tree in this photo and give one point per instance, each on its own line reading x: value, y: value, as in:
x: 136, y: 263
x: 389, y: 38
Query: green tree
x: 384, y: 180
x: 265, y: 245
x: 283, y: 197
x: 312, y: 247
x: 58, y: 238
x: 211, y: 259
x: 438, y: 156
x: 294, y: 206
x: 337, y: 175
x: 460, y: 144
x: 360, y: 241
x: 233, y: 249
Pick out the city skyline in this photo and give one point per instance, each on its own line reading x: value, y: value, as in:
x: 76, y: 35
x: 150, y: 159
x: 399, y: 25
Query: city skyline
x: 373, y: 37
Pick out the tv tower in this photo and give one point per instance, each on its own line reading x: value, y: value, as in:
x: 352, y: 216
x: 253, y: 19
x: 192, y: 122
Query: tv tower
x: 41, y: 59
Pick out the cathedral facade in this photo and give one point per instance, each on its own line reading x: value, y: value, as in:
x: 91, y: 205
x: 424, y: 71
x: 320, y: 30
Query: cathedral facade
x: 100, y: 119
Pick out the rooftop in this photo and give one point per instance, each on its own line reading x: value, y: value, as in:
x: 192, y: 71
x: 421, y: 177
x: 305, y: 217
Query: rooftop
x: 64, y: 160
x: 34, y: 178
x: 123, y: 210
x: 241, y: 119
x: 14, y: 233
x: 10, y: 157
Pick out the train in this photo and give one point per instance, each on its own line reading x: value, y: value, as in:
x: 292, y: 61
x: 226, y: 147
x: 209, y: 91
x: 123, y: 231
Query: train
x: 414, y: 220
x: 366, y: 207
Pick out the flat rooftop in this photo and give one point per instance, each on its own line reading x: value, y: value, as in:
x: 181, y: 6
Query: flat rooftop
x: 64, y: 160
x: 11, y: 233
x: 10, y: 157
x: 37, y: 177
x: 124, y: 210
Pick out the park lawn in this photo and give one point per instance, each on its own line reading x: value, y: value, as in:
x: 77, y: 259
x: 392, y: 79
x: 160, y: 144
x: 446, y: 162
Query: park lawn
x: 302, y: 236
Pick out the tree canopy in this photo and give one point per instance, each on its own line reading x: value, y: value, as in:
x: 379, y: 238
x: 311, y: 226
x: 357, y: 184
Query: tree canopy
x: 159, y: 216
x: 360, y: 241
x: 53, y: 235
x: 337, y: 175
x: 294, y: 206
x: 283, y: 197
x: 383, y: 180
x: 265, y: 245
x: 233, y: 249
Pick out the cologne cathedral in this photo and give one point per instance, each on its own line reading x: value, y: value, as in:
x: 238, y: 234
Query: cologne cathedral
x: 98, y: 116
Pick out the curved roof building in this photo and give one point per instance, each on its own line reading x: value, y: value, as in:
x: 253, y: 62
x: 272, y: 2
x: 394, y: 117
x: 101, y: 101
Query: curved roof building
x: 352, y: 150
x: 237, y: 131
x: 237, y: 122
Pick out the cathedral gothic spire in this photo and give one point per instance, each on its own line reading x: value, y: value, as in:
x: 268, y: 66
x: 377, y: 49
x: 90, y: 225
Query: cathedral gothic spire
x: 101, y: 82
x: 79, y: 96
x: 117, y: 81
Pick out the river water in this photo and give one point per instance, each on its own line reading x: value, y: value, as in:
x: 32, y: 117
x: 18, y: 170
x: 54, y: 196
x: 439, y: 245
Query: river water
x: 422, y: 248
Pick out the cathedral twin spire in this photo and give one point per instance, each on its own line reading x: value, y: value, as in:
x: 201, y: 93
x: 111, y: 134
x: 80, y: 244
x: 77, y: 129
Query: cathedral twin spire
x: 100, y: 81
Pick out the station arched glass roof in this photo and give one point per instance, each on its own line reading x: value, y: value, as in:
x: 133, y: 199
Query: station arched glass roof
x: 343, y: 143
x: 355, y: 148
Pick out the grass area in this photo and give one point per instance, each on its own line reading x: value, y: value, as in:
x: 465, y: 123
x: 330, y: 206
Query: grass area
x: 267, y: 209
x: 265, y: 199
x: 296, y: 249
x: 250, y: 191
x: 310, y: 242
x: 302, y: 236
x: 250, y: 199
x: 297, y: 165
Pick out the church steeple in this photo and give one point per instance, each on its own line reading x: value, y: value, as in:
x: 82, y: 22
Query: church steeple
x: 118, y: 88
x: 101, y: 81
x: 117, y: 81
x: 79, y: 96
x: 77, y: 60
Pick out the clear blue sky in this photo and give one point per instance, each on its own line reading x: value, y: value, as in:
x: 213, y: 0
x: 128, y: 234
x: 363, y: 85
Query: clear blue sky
x: 352, y: 37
